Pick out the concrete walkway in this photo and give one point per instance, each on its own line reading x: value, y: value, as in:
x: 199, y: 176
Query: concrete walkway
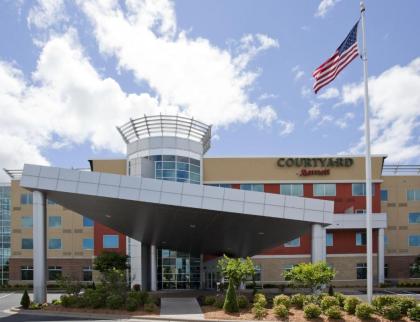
x: 180, y: 308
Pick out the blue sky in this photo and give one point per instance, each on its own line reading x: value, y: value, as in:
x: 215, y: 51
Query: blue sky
x: 72, y: 70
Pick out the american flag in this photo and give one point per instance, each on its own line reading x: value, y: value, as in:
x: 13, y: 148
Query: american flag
x: 343, y: 56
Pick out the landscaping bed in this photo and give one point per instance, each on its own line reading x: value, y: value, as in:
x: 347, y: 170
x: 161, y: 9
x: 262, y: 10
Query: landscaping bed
x: 59, y: 308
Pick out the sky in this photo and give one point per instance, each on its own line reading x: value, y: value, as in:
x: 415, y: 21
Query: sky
x: 71, y: 71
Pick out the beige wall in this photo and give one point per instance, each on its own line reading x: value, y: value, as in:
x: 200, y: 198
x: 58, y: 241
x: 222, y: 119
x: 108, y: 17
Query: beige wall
x: 117, y: 166
x: 254, y: 169
x: 398, y: 207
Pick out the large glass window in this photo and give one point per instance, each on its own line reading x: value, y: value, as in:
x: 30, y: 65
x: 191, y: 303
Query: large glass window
x: 330, y: 239
x: 26, y: 198
x: 413, y: 195
x: 26, y: 273
x: 110, y: 241
x: 361, y: 239
x: 294, y: 189
x: 87, y: 243
x: 361, y: 271
x: 54, y: 221
x: 293, y: 243
x: 359, y: 189
x: 87, y: 222
x: 54, y: 273
x: 414, y: 240
x: 27, y: 243
x: 324, y: 189
x: 87, y: 273
x: 178, y: 270
x: 26, y: 221
x: 414, y: 218
x: 176, y: 168
x: 252, y: 187
x: 54, y: 243
x: 384, y: 195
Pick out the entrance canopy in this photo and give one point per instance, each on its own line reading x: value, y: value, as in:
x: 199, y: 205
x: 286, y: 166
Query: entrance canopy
x: 181, y: 216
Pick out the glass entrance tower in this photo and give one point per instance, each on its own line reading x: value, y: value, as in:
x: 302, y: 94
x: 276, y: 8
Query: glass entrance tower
x: 166, y: 148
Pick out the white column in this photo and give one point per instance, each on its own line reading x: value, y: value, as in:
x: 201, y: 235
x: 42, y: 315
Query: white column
x: 317, y: 243
x: 135, y: 263
x: 40, y: 247
x: 381, y: 256
x: 324, y: 244
x: 153, y: 268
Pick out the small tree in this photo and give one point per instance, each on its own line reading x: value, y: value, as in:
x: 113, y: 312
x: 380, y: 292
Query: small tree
x: 110, y: 260
x: 314, y: 276
x: 25, y: 301
x: 415, y: 268
x: 236, y: 271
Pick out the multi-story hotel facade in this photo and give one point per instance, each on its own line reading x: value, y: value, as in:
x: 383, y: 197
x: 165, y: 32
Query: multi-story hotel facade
x: 173, y: 149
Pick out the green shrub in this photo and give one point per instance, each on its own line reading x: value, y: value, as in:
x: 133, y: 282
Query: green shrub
x: 131, y: 304
x: 243, y: 302
x: 312, y: 311
x: 329, y: 301
x: 69, y: 300
x: 95, y: 298
x: 364, y: 311
x: 35, y: 306
x: 405, y: 303
x: 153, y: 299
x: 391, y: 312
x: 259, y: 311
x: 340, y: 297
x: 150, y: 307
x: 414, y: 313
x: 115, y: 301
x: 25, y: 301
x: 384, y: 300
x: 144, y: 297
x: 350, y: 304
x: 231, y: 303
x: 209, y: 300
x: 135, y: 296
x: 219, y: 302
x: 282, y: 299
x: 260, y: 299
x: 281, y: 311
x: 333, y: 312
x: 56, y: 302
x: 298, y: 300
x: 311, y: 299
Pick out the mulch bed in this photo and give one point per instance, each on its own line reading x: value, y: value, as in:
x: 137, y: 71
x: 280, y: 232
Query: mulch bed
x: 212, y: 313
x: 59, y: 308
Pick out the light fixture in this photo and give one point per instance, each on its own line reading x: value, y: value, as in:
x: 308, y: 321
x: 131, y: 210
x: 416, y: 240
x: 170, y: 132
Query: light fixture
x: 192, y: 226
x: 108, y: 216
x: 261, y: 233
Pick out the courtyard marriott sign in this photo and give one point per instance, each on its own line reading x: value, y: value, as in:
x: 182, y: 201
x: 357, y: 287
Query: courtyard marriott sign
x: 325, y: 163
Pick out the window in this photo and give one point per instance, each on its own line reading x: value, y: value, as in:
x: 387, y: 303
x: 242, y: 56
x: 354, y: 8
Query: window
x: 288, y: 267
x: 330, y: 239
x: 360, y: 211
x: 361, y: 271
x: 414, y: 270
x: 361, y: 239
x: 54, y: 273
x: 414, y: 240
x: 54, y: 243
x: 26, y: 273
x: 87, y: 243
x: 359, y: 189
x: 26, y: 198
x: 50, y: 202
x: 87, y: 273
x: 384, y: 195
x: 110, y: 241
x: 26, y: 221
x: 324, y: 189
x: 27, y: 243
x: 253, y: 187
x: 87, y: 222
x: 54, y: 221
x: 414, y: 218
x: 293, y: 243
x: 292, y: 189
x: 386, y: 241
x: 386, y: 270
x: 413, y: 195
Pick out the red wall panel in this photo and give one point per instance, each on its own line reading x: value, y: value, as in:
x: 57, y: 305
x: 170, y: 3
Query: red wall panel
x: 304, y: 248
x: 99, y: 231
x: 344, y: 241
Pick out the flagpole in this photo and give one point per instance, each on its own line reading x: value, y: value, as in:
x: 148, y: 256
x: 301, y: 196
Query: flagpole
x: 369, y: 279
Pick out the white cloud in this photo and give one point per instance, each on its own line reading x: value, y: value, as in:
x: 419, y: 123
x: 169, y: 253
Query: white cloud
x: 202, y: 79
x: 395, y: 113
x: 286, y: 127
x: 266, y: 96
x: 330, y: 93
x: 314, y: 111
x: 325, y: 6
x: 297, y: 72
x: 305, y: 91
x: 343, y: 121
x: 46, y: 13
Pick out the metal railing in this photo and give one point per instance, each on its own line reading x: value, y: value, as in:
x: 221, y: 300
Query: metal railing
x: 401, y: 169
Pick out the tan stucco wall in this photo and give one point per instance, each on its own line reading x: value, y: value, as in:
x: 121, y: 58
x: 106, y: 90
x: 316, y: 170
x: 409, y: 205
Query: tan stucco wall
x: 117, y: 166
x: 261, y: 169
